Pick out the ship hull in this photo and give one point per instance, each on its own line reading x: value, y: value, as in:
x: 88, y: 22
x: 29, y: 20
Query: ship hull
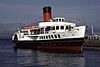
x: 57, y: 45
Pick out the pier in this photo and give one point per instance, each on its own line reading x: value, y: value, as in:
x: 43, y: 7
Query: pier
x: 92, y: 42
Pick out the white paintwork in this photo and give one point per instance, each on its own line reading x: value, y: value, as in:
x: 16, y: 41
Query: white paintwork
x: 74, y: 32
x: 45, y: 24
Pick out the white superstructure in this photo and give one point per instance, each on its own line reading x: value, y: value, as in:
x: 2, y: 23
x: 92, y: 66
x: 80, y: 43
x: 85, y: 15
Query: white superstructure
x: 56, y: 28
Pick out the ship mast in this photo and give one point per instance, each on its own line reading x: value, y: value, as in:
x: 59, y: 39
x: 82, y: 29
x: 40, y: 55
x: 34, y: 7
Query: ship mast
x: 92, y: 32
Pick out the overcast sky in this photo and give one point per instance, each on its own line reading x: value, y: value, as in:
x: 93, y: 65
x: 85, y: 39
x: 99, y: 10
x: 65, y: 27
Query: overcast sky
x: 25, y: 11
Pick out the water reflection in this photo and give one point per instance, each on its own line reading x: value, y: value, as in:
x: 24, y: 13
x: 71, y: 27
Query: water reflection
x: 31, y: 58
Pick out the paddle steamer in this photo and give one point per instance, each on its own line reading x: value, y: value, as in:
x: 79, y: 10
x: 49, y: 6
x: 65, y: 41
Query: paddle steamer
x: 53, y: 34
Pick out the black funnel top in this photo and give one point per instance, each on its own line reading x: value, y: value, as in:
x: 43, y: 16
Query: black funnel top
x: 47, y: 9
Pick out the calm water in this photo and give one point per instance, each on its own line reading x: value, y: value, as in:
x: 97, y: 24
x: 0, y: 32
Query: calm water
x: 30, y: 58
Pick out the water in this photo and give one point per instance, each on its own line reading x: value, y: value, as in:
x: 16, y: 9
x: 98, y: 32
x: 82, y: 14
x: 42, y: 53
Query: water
x: 30, y: 58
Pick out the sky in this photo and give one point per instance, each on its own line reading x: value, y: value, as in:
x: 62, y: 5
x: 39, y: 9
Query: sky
x: 30, y: 11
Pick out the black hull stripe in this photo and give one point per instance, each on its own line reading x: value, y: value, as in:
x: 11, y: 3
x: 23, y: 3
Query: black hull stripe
x: 77, y: 41
x: 60, y: 40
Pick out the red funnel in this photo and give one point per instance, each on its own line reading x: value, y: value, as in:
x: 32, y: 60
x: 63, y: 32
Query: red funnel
x: 47, y: 13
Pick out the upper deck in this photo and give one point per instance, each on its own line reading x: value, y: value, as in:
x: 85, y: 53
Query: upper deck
x: 57, y: 21
x: 57, y: 24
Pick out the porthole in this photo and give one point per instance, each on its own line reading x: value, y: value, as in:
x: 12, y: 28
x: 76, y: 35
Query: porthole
x: 55, y: 36
x: 46, y: 37
x: 58, y: 36
x: 41, y: 37
x: 51, y: 36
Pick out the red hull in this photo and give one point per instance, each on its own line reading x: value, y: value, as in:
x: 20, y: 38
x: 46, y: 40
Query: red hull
x: 54, y: 48
x: 75, y: 49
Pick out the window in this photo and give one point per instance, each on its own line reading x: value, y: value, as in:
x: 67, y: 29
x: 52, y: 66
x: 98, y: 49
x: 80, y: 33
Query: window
x: 62, y: 27
x: 41, y: 30
x: 59, y: 20
x: 62, y: 20
x: 36, y: 31
x: 66, y: 27
x: 57, y: 27
x: 32, y: 32
x: 48, y: 28
x: 25, y: 32
x: 53, y: 27
x: 56, y: 20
